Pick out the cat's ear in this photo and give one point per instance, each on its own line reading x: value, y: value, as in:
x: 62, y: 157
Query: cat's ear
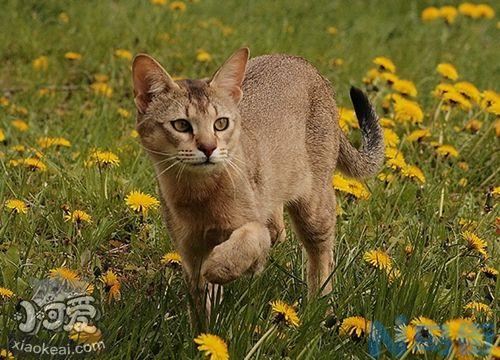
x: 229, y: 77
x: 149, y: 78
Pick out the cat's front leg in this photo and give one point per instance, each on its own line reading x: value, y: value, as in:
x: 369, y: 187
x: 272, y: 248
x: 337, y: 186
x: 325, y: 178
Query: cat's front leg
x: 245, y: 252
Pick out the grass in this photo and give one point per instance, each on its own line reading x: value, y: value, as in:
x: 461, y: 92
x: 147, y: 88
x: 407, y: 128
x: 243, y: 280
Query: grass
x: 151, y: 319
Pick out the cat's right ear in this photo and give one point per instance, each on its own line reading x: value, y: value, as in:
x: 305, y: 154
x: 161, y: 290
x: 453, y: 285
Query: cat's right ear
x: 149, y: 78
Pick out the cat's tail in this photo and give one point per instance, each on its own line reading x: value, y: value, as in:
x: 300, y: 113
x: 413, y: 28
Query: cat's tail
x: 367, y: 160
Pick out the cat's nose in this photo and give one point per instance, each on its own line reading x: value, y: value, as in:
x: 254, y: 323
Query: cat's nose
x: 207, y: 149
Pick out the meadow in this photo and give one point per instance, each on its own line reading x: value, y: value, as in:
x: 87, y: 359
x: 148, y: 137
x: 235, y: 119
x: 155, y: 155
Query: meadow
x: 417, y: 248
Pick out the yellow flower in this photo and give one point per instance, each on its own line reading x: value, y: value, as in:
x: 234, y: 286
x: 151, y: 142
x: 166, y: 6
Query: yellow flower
x: 408, y: 335
x: 140, y: 202
x: 347, y: 119
x: 385, y: 64
x: 72, y: 56
x: 134, y: 134
x: 20, y: 125
x: 64, y: 274
x: 83, y: 333
x: 103, y: 158
x: 6, y: 354
x: 463, y: 166
x: 389, y: 77
x: 464, y: 335
x: 453, y: 98
x: 41, y: 63
x: 172, y: 258
x: 101, y: 78
x: 447, y: 150
x: 391, y: 139
x: 46, y: 142
x: 2, y: 136
x: 497, y: 128
x: 469, y: 10
x: 468, y: 90
x: 112, y: 285
x: 6, y: 294
x: 448, y: 13
x: 350, y: 186
x: 413, y: 172
x: 494, y: 109
x: 418, y: 135
x: 490, y: 272
x: 123, y: 113
x: 430, y: 13
x: 378, y: 259
x: 442, y: 89
x: 463, y: 182
x: 33, y: 164
x: 485, y: 11
x: 489, y: 98
x: 332, y: 30
x: 405, y: 87
x: 16, y: 206
x: 63, y: 17
x: 406, y: 110
x: 336, y: 62
x: 177, y: 6
x: 124, y: 54
x: 388, y: 178
x: 355, y: 326
x: 395, y: 158
x: 479, y: 308
x: 78, y: 216
x: 203, y: 56
x: 387, y: 123
x: 475, y: 243
x: 158, y: 2
x: 212, y: 346
x: 430, y: 325
x: 102, y: 88
x: 284, y: 313
x: 371, y: 76
x: 448, y: 71
x: 473, y: 125
x: 419, y: 334
x: 495, y: 352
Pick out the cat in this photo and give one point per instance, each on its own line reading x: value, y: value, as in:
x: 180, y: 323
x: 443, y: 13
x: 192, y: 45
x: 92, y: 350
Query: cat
x: 231, y: 152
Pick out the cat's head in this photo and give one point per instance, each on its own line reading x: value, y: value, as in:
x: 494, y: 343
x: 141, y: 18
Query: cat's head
x: 193, y: 124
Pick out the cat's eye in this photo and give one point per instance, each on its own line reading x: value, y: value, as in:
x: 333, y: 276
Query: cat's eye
x: 181, y: 125
x: 221, y: 124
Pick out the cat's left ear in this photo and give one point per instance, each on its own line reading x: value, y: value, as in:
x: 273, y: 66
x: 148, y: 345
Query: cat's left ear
x: 229, y: 77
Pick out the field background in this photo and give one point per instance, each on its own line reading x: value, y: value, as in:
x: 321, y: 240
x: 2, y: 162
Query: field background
x: 150, y: 320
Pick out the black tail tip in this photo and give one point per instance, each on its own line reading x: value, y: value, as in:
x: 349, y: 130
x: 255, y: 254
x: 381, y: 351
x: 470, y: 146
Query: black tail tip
x: 360, y: 101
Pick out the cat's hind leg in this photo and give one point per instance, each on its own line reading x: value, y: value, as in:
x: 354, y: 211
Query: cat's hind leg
x: 245, y: 252
x: 313, y: 219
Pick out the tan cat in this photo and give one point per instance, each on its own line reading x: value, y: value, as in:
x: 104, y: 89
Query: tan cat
x: 231, y: 152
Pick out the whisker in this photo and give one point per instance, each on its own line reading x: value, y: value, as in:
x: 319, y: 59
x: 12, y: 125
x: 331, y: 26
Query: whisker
x: 168, y: 168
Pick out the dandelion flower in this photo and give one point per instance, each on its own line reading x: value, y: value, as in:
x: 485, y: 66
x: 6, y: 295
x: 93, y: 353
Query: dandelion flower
x: 158, y: 2
x: 448, y: 71
x: 419, y: 334
x: 465, y: 336
x: 391, y: 139
x: 454, y: 98
x: 284, y: 313
x: 469, y: 9
x: 124, y: 54
x: 134, y: 134
x: 63, y: 273
x: 371, y: 76
x: 102, y: 88
x: 405, y: 87
x: 6, y: 293
x: 473, y: 125
x: 433, y: 329
x: 212, y: 346
x: 177, y: 6
x: 350, y: 186
x: 387, y: 123
x: 387, y: 178
x: 485, y: 11
x: 46, y: 142
x: 203, y: 56
x: 442, y: 89
x: 469, y: 91
x: 103, y: 158
x: 78, y: 217
x: 418, y: 135
x: 489, y: 98
x: 63, y: 17
x: 112, y: 285
x: 408, y: 335
x: 413, y: 172
x: 448, y: 13
x: 20, y: 125
x: 490, y: 272
x: 6, y: 354
x: 141, y: 202
x: 447, y: 150
x: 72, y: 56
x: 378, y: 259
x: 83, y: 333
x: 355, y: 326
x: 40, y: 63
x: 407, y: 111
x: 16, y: 206
x: 2, y: 136
x: 124, y: 113
x: 479, y: 308
x: 430, y: 13
x: 385, y: 64
x: 390, y: 79
x: 347, y: 119
x: 172, y: 258
x: 475, y: 243
x: 332, y: 30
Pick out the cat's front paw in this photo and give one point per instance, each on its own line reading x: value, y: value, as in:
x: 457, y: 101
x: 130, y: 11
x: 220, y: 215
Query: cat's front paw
x: 219, y: 268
